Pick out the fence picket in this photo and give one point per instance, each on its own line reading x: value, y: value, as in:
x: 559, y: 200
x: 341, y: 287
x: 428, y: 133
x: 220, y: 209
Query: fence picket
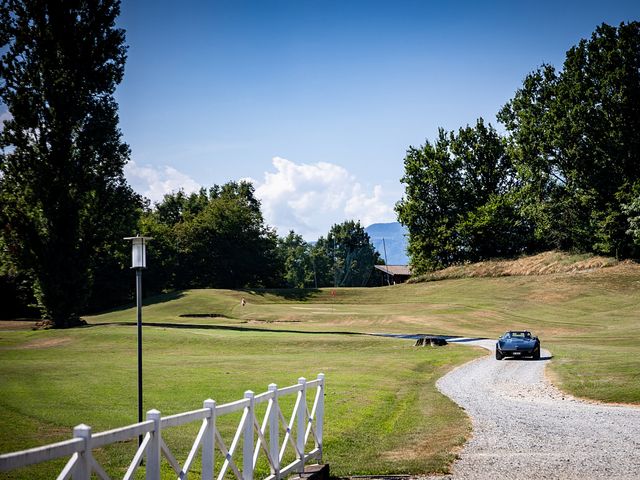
x: 208, y: 442
x: 274, y: 431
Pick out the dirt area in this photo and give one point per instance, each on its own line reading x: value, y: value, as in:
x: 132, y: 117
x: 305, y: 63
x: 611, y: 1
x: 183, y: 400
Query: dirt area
x: 22, y: 324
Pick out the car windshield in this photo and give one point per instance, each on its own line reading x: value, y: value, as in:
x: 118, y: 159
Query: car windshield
x: 518, y: 335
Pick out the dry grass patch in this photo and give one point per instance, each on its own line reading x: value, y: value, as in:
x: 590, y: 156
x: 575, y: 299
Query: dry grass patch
x: 542, y: 264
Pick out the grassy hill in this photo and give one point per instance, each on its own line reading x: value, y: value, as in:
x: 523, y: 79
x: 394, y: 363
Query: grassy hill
x: 384, y: 414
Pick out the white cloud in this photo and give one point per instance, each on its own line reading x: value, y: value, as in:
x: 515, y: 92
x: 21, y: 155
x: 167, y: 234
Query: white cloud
x: 310, y: 198
x: 155, y: 182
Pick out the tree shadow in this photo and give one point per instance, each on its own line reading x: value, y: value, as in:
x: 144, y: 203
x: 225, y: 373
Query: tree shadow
x: 153, y: 300
x: 297, y: 294
x: 234, y: 328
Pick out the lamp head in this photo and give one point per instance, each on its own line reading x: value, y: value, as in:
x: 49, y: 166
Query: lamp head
x: 138, y: 251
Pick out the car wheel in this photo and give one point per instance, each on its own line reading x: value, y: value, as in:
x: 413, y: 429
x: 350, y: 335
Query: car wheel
x: 536, y: 354
x: 499, y: 355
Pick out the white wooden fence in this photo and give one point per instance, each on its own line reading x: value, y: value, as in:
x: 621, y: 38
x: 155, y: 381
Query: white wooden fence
x: 256, y: 438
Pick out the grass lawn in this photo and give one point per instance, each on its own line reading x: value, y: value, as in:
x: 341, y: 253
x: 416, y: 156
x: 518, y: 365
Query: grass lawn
x: 384, y: 414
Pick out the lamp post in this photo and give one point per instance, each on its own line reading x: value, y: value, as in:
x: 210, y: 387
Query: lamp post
x: 138, y: 263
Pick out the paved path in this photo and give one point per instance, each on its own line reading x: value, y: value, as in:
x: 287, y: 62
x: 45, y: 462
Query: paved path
x: 524, y: 428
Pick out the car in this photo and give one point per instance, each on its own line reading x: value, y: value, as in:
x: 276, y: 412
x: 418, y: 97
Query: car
x: 518, y: 343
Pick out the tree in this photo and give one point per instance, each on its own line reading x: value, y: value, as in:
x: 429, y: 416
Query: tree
x: 213, y: 238
x: 299, y: 268
x: 459, y: 202
x: 61, y: 179
x: 346, y: 257
x: 575, y: 138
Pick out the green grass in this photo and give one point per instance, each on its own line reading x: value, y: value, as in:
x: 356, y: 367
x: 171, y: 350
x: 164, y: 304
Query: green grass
x: 384, y: 414
x: 380, y: 403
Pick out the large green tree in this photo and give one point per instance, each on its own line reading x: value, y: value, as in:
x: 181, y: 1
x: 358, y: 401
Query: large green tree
x: 575, y: 138
x: 459, y: 203
x: 212, y: 238
x: 299, y: 261
x: 63, y: 196
x: 346, y: 257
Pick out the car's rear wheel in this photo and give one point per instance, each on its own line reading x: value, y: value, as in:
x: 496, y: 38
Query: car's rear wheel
x: 499, y: 355
x: 536, y: 354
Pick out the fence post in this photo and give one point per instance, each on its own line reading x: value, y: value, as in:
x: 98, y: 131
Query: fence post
x: 82, y: 470
x: 274, y: 432
x: 320, y: 414
x: 208, y: 442
x: 247, y: 441
x: 153, y: 449
x: 301, y: 422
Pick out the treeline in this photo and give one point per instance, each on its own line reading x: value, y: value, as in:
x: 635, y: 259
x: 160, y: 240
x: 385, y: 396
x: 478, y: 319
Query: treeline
x: 65, y: 205
x: 217, y: 238
x: 565, y: 175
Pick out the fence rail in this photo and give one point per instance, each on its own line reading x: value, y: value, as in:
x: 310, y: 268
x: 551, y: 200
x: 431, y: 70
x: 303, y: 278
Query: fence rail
x: 258, y: 437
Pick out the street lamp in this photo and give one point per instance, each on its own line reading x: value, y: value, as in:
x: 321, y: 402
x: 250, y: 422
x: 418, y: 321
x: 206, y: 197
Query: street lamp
x: 139, y: 262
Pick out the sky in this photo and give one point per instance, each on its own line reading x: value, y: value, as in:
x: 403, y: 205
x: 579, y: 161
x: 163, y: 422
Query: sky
x: 316, y: 102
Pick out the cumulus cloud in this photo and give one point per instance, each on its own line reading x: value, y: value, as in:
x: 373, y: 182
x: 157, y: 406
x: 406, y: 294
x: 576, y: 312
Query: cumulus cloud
x: 155, y: 182
x: 310, y: 198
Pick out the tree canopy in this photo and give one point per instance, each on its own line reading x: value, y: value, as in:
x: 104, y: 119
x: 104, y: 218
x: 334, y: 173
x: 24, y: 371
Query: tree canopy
x: 566, y: 175
x: 63, y: 198
x: 458, y: 204
x: 212, y: 238
x: 575, y: 139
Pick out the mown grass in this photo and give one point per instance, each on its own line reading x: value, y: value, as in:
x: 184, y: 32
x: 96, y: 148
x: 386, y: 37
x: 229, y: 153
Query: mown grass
x: 384, y: 414
x: 381, y: 402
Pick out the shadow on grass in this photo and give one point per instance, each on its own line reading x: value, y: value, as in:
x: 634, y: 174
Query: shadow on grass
x: 234, y: 328
x: 293, y: 294
x: 237, y: 328
x: 161, y: 298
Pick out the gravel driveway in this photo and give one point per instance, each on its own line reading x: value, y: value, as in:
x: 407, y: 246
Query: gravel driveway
x: 524, y: 428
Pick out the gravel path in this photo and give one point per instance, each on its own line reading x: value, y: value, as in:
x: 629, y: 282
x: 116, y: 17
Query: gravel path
x: 524, y: 428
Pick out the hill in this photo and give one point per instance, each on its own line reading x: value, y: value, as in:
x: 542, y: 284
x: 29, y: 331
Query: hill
x: 204, y: 343
x: 545, y: 263
x: 395, y: 241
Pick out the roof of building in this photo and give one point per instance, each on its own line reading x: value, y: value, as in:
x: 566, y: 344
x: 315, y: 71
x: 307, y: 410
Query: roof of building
x: 395, y: 269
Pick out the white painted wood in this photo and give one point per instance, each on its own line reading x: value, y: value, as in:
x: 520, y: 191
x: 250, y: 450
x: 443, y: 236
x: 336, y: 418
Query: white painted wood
x: 137, y: 458
x: 98, y: 470
x: 154, y: 447
x: 68, y: 469
x: 274, y: 431
x: 231, y: 407
x: 263, y: 397
x: 228, y: 460
x: 301, y: 423
x: 80, y: 448
x: 208, y: 442
x: 247, y: 440
x: 11, y: 461
x: 194, y: 451
x: 289, y: 390
x: 319, y: 414
x: 83, y: 465
x: 169, y: 456
x: 184, y: 418
x: 121, y: 434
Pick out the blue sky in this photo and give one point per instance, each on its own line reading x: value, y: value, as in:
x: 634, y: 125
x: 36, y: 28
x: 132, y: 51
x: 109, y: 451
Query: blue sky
x: 315, y: 101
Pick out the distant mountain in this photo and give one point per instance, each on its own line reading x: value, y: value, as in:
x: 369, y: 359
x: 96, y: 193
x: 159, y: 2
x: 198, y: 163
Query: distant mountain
x: 395, y: 240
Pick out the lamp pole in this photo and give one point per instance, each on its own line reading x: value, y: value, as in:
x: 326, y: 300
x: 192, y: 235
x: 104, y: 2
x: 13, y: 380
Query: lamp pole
x: 138, y: 263
x: 139, y: 308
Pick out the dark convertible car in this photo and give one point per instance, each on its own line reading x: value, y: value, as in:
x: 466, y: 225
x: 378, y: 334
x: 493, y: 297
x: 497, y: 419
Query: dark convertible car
x: 518, y: 344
